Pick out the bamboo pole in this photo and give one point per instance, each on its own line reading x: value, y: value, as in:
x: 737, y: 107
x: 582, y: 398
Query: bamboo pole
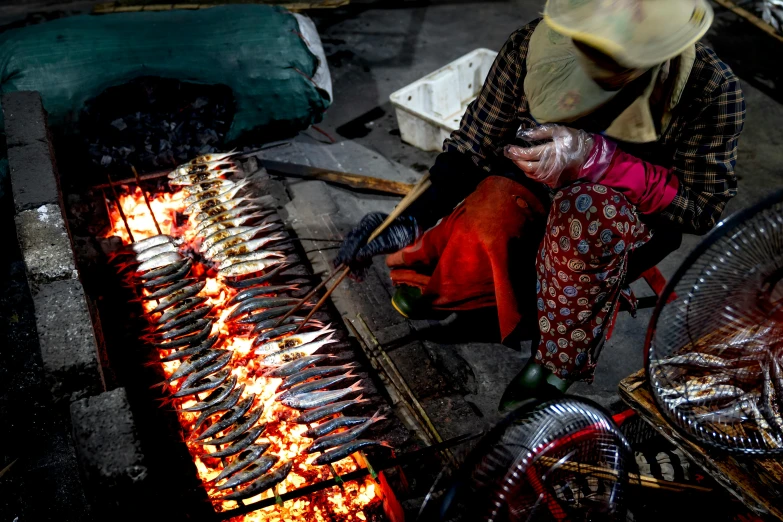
x: 119, y: 207
x: 146, y: 200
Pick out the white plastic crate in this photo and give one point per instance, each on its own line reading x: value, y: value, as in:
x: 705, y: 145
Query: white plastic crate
x: 429, y: 109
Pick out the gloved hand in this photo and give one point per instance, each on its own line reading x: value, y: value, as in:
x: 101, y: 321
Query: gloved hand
x: 571, y: 155
x: 357, y: 254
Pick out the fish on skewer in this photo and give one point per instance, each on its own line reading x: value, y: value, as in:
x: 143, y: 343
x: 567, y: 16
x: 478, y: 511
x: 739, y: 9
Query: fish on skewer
x: 235, y: 239
x: 240, y: 444
x: 149, y: 242
x: 258, y: 468
x: 296, y: 352
x: 344, y: 437
x: 217, y: 396
x: 219, y: 184
x: 295, y: 366
x: 306, y: 401
x: 262, y: 484
x: 346, y: 450
x: 269, y: 313
x: 243, y: 460
x: 253, y: 281
x: 242, y: 424
x: 149, y: 253
x: 179, y: 295
x: 317, y: 371
x: 218, y: 365
x: 175, y: 272
x: 203, y: 384
x: 248, y: 267
x: 195, y: 363
x: 268, y: 324
x: 257, y: 291
x: 329, y: 426
x: 183, y: 306
x: 316, y: 414
x: 232, y: 213
x: 260, y: 303
x: 154, y: 275
x: 244, y: 248
x: 229, y: 402
x: 257, y: 255
x: 223, y: 207
x: 187, y: 340
x: 743, y: 408
x: 292, y: 341
x: 232, y: 222
x: 229, y: 418
x: 159, y: 261
x: 168, y: 290
x: 196, y: 326
x: 200, y: 177
x: 189, y: 316
x: 191, y: 350
x: 315, y: 385
x: 222, y: 194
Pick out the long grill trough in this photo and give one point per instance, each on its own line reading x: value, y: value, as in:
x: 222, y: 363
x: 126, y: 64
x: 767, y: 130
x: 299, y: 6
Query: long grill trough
x: 214, y: 272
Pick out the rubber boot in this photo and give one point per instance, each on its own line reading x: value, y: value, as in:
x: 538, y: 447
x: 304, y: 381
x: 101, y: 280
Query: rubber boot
x: 534, y: 381
x: 407, y: 300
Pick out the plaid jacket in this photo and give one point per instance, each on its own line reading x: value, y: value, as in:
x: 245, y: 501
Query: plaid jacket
x: 700, y: 144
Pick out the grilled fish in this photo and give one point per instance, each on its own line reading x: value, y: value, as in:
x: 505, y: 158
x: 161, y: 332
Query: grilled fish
x: 158, y: 261
x: 174, y: 272
x: 242, y: 424
x: 246, y: 247
x: 218, y: 365
x: 317, y: 414
x: 192, y: 350
x: 329, y: 426
x: 295, y: 366
x: 203, y: 384
x: 263, y: 483
x: 149, y: 253
x: 259, y: 303
x: 217, y: 396
x: 249, y: 267
x: 320, y: 398
x: 186, y: 318
x: 224, y: 405
x: 240, y: 444
x: 721, y: 392
x: 179, y: 295
x: 258, y: 468
x: 297, y: 352
x: 292, y: 341
x: 153, y: 275
x: 344, y: 437
x: 243, y: 460
x: 195, y: 363
x: 187, y: 340
x: 185, y: 304
x: 257, y: 291
x: 318, y: 371
x: 229, y: 418
x: 314, y: 385
x: 346, y: 450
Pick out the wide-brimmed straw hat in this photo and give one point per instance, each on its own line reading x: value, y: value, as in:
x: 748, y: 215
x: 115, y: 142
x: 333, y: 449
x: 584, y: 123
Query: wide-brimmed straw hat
x: 640, y: 34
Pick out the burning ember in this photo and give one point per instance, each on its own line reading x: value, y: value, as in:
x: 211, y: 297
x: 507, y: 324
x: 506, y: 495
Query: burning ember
x: 285, y: 436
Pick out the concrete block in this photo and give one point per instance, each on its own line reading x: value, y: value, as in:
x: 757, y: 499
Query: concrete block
x: 25, y: 119
x: 33, y: 175
x: 67, y: 339
x: 422, y: 375
x: 109, y: 452
x: 45, y: 245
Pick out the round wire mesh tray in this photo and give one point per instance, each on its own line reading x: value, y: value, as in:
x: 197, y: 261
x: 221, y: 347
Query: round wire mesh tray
x: 560, y: 460
x: 715, y: 340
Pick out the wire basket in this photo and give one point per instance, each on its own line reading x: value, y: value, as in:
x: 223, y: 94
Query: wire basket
x: 716, y: 336
x: 560, y: 460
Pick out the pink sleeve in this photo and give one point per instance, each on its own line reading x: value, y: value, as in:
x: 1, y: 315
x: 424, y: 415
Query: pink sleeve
x: 650, y: 187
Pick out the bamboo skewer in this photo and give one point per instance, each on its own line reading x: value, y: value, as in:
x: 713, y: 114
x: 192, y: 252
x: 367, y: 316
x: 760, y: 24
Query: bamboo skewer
x: 146, y: 200
x: 119, y: 207
x: 418, y: 189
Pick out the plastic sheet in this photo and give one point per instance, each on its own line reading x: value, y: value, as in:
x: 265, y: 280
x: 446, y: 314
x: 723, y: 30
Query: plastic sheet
x: 256, y: 50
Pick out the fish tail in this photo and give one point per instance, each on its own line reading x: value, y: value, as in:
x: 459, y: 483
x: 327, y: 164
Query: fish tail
x: 357, y: 386
x: 377, y: 416
x: 385, y: 444
x: 160, y: 384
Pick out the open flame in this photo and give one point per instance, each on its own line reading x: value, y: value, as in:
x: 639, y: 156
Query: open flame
x: 287, y: 441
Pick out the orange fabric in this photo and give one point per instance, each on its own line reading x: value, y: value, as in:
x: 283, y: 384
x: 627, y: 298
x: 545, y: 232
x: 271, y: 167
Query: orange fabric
x: 481, y: 255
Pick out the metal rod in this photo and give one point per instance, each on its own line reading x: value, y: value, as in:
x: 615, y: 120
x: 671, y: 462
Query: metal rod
x: 393, y: 367
x: 323, y: 299
x: 146, y: 200
x: 119, y: 207
x: 413, y: 456
x: 309, y: 295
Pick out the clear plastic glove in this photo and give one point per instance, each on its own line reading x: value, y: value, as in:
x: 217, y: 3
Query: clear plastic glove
x: 571, y: 155
x: 356, y: 253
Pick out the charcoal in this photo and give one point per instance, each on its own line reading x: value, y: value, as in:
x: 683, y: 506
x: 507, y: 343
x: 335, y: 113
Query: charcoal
x: 154, y: 123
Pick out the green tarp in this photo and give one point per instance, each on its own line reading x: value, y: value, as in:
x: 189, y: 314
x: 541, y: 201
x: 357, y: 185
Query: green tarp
x: 256, y: 50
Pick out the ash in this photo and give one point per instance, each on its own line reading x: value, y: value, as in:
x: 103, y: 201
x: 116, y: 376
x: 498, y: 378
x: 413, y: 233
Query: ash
x: 153, y: 123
